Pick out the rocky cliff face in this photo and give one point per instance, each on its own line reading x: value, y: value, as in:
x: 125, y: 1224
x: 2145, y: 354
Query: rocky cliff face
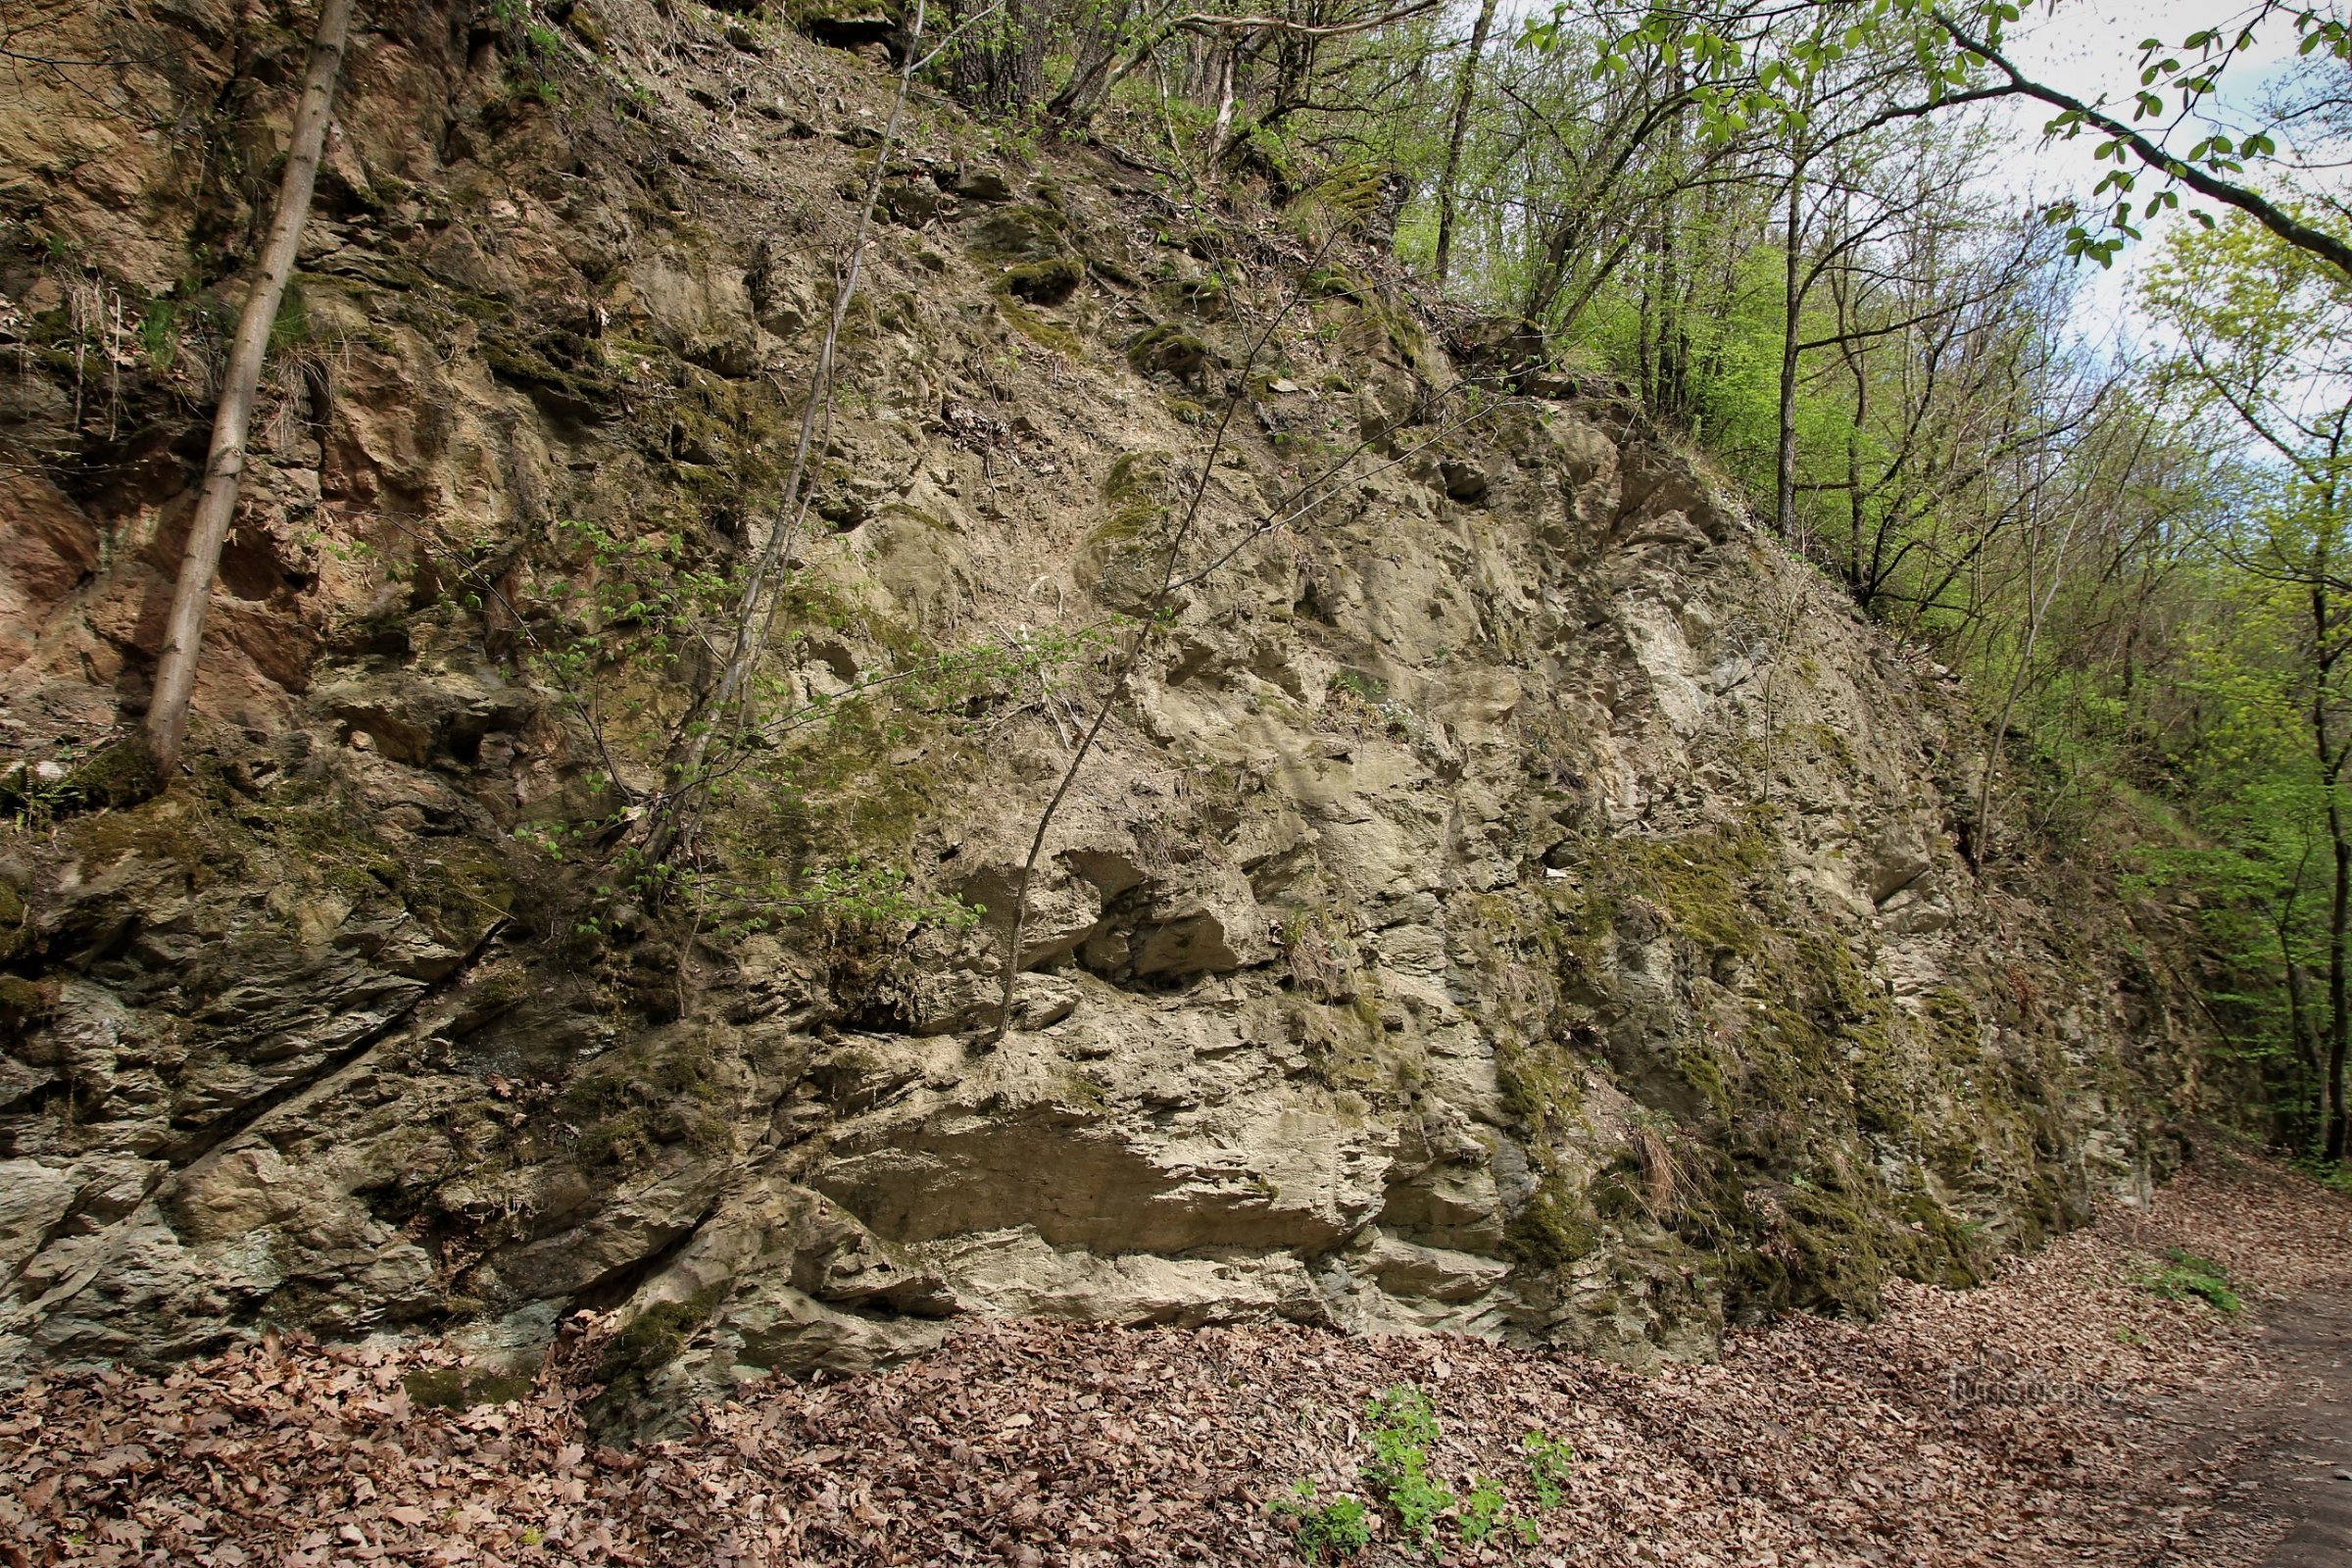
x: 1514, y: 898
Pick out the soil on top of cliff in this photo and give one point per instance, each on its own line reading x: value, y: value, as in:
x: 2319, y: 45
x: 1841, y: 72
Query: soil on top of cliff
x: 2140, y: 1393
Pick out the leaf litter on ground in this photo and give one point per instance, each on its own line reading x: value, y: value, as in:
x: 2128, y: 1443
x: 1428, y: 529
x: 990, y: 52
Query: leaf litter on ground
x: 2046, y: 1418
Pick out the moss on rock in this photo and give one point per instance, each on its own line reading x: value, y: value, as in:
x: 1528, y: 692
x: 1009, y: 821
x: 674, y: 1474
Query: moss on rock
x: 1166, y: 350
x: 1798, y: 1085
x: 1046, y: 282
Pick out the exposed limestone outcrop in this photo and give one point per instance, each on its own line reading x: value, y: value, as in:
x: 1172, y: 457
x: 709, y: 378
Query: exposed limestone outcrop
x: 1515, y: 898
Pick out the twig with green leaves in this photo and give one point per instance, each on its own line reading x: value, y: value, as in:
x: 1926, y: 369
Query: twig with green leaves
x: 548, y: 661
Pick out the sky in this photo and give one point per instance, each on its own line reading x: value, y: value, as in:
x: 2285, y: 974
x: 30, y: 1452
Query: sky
x: 2090, y: 49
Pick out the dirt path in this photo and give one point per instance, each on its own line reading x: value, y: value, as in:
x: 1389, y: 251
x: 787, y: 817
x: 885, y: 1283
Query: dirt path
x: 2306, y: 1473
x: 2288, y: 1447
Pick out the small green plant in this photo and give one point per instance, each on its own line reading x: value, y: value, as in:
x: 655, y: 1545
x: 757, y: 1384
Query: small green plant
x: 159, y: 334
x: 654, y: 585
x: 2184, y: 1274
x: 536, y: 44
x: 2333, y: 1174
x: 1547, y: 1466
x: 292, y: 324
x: 1403, y: 1426
x: 1339, y: 1527
x: 40, y: 790
x: 1483, y: 1510
x: 849, y: 892
x: 1364, y: 699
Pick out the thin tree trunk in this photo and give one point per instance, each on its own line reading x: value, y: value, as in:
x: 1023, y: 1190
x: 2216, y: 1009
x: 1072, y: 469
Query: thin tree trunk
x: 1674, y: 368
x: 2311, y: 1093
x: 1792, y: 237
x: 1857, y: 501
x: 2339, y: 840
x: 688, y: 781
x: 1009, y: 974
x: 2298, y: 1027
x: 2340, y: 1005
x: 225, y: 467
x: 1089, y: 82
x: 2310, y: 1097
x: 1463, y: 99
x: 2037, y: 609
x: 1644, y: 369
x: 1228, y: 69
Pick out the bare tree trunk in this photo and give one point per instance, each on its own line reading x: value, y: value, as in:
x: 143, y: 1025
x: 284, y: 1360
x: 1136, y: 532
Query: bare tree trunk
x: 1090, y: 73
x: 1643, y: 369
x: 1462, y: 98
x: 2306, y: 1054
x: 1792, y: 301
x: 2037, y: 609
x: 1228, y: 69
x: 724, y: 716
x: 1673, y: 367
x: 2310, y: 1092
x: 1009, y: 974
x: 2310, y: 1116
x: 2339, y: 1005
x: 1863, y: 585
x: 225, y: 467
x: 2331, y: 758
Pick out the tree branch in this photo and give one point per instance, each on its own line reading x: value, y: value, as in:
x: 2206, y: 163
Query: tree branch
x: 2252, y: 203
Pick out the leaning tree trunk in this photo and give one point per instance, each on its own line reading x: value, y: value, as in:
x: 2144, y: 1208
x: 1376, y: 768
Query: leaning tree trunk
x: 225, y: 467
x: 1093, y: 70
x: 2038, y: 611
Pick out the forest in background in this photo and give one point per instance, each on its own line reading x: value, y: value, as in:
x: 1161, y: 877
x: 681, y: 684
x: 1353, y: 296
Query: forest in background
x: 1781, y: 227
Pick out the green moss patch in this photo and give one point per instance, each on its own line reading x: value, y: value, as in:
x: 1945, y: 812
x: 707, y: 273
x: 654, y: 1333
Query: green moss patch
x: 1787, y: 1084
x: 654, y: 1338
x: 1046, y: 282
x: 557, y: 369
x: 657, y: 1090
x: 1026, y: 231
x: 462, y: 1387
x: 1166, y: 350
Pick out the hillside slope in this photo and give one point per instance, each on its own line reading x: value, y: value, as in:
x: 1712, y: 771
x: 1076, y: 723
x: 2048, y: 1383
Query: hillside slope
x: 1512, y: 898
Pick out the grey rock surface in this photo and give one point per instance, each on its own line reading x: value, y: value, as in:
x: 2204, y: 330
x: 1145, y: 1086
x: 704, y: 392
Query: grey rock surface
x: 1512, y: 898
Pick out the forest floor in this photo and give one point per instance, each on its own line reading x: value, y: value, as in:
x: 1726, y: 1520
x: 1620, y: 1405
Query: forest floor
x: 2097, y: 1403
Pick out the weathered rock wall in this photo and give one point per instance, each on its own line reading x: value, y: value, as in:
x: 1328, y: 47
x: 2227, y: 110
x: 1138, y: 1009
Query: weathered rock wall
x: 1516, y: 898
